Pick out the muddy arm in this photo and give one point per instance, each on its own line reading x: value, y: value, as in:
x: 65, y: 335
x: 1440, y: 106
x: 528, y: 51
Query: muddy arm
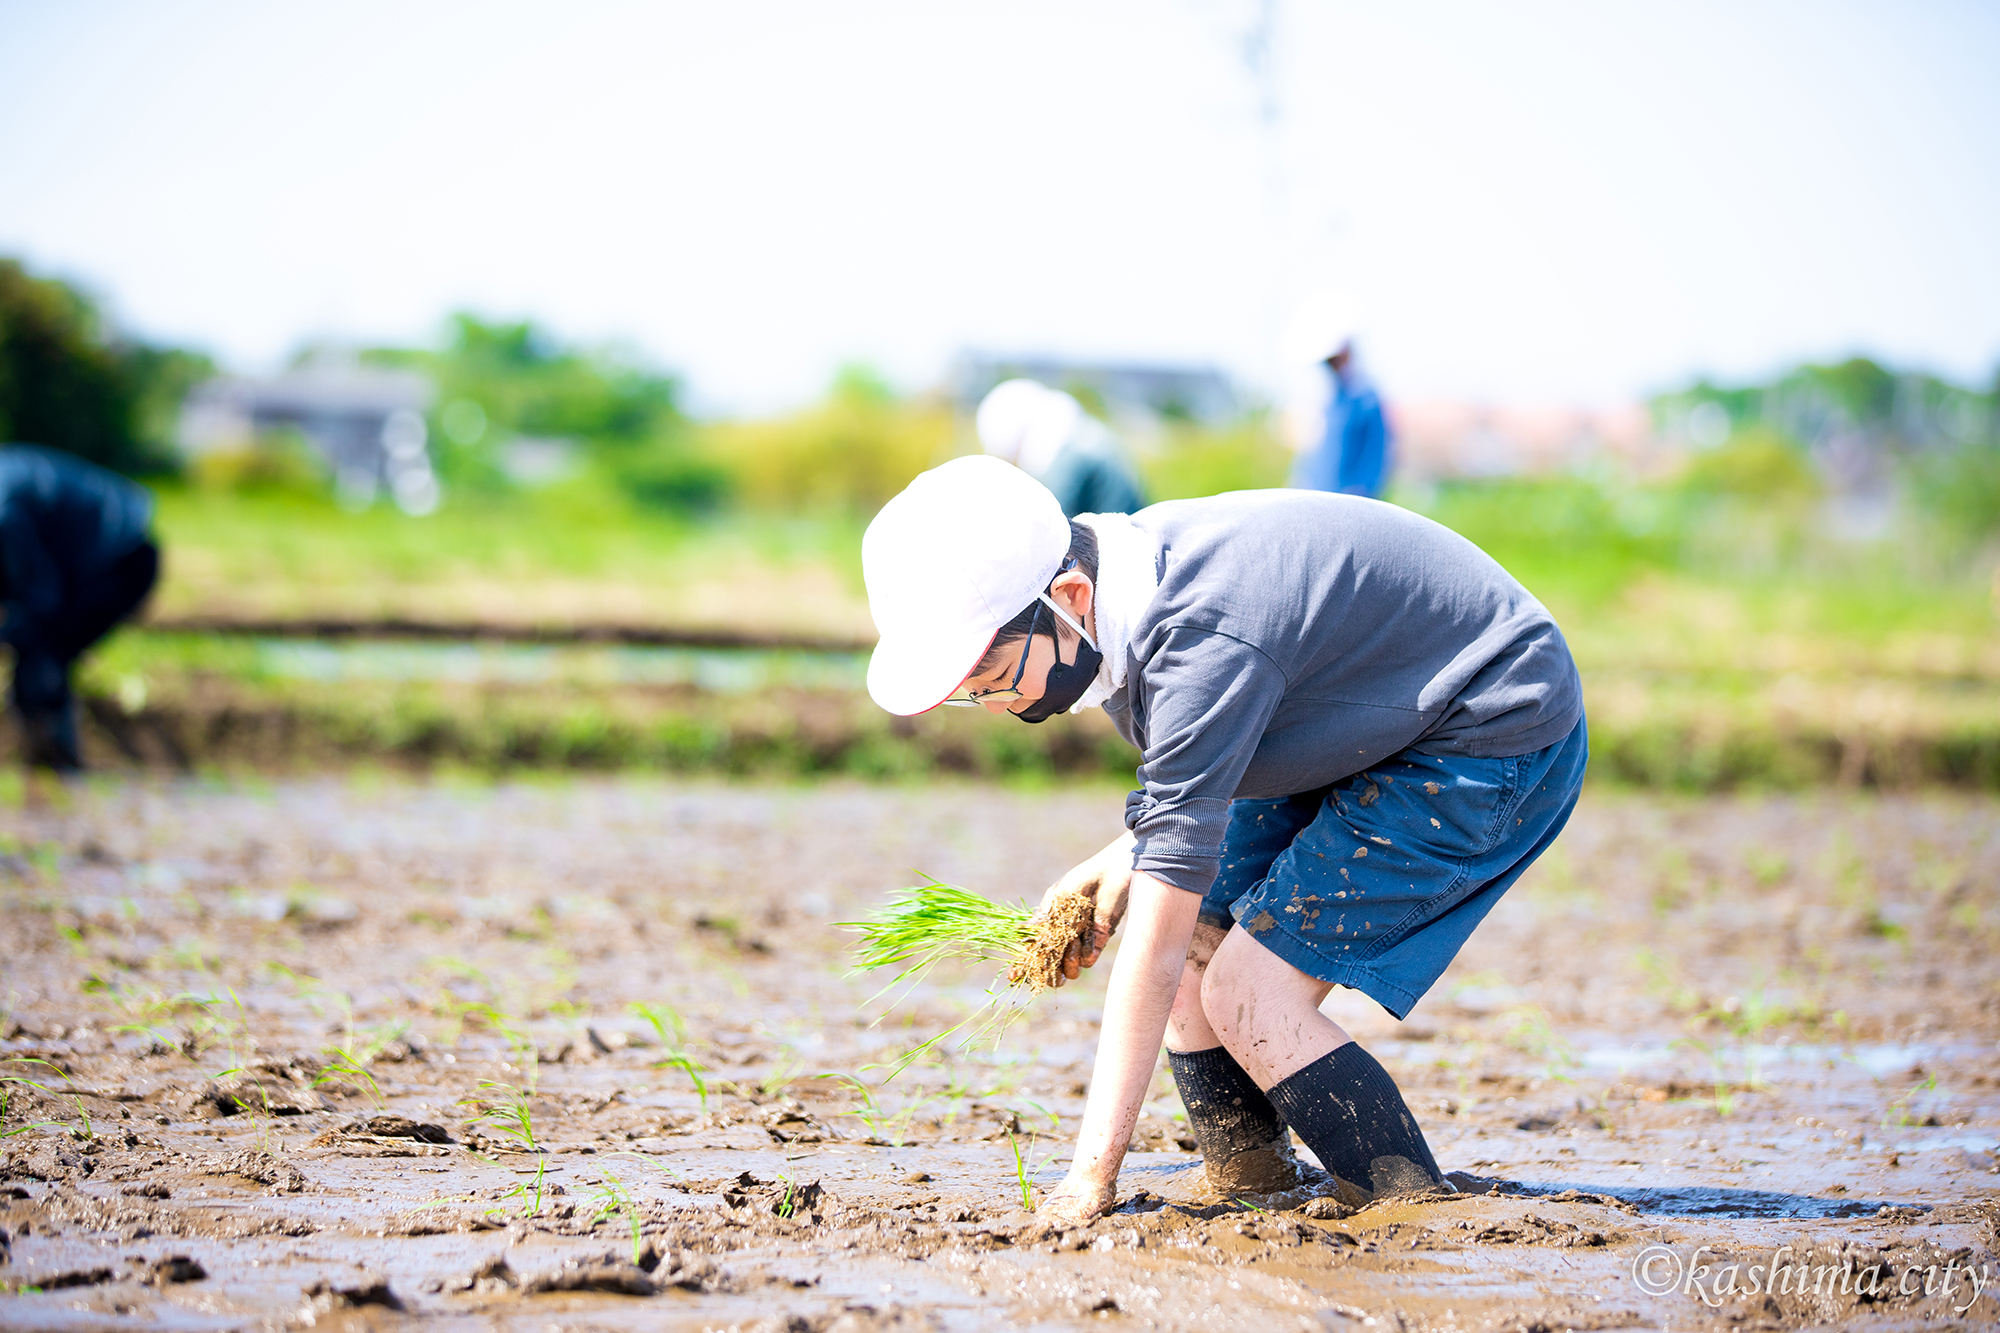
x: 1143, y: 982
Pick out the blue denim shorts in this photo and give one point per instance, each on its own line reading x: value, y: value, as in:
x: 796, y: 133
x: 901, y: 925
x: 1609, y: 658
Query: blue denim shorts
x: 1377, y: 881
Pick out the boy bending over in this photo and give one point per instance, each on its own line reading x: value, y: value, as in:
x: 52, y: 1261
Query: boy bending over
x: 1356, y: 732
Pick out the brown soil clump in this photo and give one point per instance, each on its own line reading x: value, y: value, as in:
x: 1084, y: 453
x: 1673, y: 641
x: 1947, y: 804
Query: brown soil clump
x: 1068, y: 920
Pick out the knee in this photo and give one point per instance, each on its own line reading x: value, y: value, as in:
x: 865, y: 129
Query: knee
x: 1221, y: 998
x: 1187, y: 999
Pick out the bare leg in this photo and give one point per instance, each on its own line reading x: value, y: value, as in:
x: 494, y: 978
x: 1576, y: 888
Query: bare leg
x: 1266, y: 1011
x: 1336, y: 1096
x: 1187, y: 1026
x: 1244, y: 1146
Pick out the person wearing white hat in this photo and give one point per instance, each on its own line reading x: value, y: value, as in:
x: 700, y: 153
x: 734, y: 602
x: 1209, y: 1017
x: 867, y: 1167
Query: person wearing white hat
x: 1347, y: 439
x: 1047, y: 434
x: 1355, y: 732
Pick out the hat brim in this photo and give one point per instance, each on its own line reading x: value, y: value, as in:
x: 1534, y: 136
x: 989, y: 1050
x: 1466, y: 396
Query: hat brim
x: 914, y: 673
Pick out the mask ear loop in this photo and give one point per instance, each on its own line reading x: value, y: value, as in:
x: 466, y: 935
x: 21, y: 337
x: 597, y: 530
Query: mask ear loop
x: 1064, y: 616
x: 1069, y: 563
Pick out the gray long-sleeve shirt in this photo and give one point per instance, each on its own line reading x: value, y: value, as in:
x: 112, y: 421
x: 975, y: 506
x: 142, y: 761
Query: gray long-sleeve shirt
x: 1297, y: 638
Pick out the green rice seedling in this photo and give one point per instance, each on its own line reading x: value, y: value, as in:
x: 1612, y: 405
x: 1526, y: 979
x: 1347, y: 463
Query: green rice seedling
x: 783, y: 1073
x: 934, y: 922
x: 672, y: 1033
x: 1024, y: 1172
x: 1724, y: 1099
x: 343, y: 1069
x: 1530, y: 1030
x: 1055, y: 1121
x: 8, y: 1083
x: 871, y: 1113
x: 614, y: 1200
x: 528, y: 1191
x: 506, y: 1108
x: 665, y: 1021
x: 24, y: 1081
x: 687, y: 1065
x: 1899, y: 1114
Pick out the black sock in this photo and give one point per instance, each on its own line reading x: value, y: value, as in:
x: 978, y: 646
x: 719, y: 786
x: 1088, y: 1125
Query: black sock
x: 1347, y: 1109
x: 1227, y: 1112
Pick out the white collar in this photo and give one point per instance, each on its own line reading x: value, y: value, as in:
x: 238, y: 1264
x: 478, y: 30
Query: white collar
x: 1128, y: 574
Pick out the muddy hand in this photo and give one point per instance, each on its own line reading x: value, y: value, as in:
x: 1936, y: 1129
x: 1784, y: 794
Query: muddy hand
x: 1077, y: 1203
x: 1106, y: 879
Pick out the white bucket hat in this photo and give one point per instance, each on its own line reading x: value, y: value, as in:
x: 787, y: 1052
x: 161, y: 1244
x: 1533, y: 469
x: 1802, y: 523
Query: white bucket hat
x: 949, y: 561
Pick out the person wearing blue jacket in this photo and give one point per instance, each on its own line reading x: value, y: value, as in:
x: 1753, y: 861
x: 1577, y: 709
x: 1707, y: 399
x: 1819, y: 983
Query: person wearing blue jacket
x: 76, y: 558
x: 1343, y: 437
x: 1352, y: 457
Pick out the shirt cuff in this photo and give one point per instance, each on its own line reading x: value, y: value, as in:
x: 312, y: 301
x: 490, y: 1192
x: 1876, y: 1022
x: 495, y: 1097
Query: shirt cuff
x: 1191, y: 873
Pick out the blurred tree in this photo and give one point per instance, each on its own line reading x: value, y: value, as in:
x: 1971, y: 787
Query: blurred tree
x: 1861, y: 387
x: 65, y: 382
x: 505, y: 390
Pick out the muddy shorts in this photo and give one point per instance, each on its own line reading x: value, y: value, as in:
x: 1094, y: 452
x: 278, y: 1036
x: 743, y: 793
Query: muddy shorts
x: 1376, y: 882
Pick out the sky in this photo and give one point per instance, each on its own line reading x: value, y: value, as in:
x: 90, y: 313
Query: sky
x: 1533, y: 203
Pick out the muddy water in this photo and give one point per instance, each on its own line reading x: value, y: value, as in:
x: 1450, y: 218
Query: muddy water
x: 363, y: 1053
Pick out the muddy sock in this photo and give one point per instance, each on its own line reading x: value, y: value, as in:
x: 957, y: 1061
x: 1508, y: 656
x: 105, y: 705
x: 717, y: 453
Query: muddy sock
x: 1243, y: 1142
x: 1347, y: 1109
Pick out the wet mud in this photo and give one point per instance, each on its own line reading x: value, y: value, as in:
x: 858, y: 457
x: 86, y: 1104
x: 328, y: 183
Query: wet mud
x: 367, y: 1053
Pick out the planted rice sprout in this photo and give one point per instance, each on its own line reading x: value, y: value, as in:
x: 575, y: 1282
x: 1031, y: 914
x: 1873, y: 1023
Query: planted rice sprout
x: 935, y: 923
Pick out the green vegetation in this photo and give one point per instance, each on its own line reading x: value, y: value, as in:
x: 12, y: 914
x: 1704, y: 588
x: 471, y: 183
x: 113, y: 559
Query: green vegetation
x: 933, y: 923
x: 15, y: 1079
x: 529, y: 1192
x: 66, y: 381
x: 507, y: 1110
x: 514, y: 406
x: 1024, y: 1170
x: 672, y: 1034
x: 1898, y: 1115
x: 1735, y: 625
x: 612, y: 1199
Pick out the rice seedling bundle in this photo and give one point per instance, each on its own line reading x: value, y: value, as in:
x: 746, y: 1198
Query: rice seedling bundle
x: 935, y: 923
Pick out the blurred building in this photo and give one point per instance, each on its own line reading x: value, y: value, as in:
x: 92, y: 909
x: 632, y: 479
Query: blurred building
x: 366, y: 422
x: 1189, y: 393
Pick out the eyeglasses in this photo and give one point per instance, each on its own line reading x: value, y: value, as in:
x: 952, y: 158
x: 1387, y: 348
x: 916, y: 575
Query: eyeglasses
x: 1012, y: 690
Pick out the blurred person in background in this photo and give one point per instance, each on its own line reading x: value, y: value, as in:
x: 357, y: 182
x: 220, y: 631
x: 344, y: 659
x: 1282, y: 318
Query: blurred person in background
x: 1047, y: 434
x: 76, y: 557
x: 1342, y: 435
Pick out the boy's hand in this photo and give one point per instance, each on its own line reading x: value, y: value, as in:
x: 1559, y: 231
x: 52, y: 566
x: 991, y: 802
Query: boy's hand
x: 1078, y: 1201
x: 1106, y: 879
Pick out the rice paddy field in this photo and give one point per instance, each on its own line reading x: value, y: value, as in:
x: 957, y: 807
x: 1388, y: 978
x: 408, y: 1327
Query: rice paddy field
x: 370, y: 1050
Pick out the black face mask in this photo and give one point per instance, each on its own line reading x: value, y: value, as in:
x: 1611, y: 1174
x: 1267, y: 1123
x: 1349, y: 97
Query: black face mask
x: 1066, y: 684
